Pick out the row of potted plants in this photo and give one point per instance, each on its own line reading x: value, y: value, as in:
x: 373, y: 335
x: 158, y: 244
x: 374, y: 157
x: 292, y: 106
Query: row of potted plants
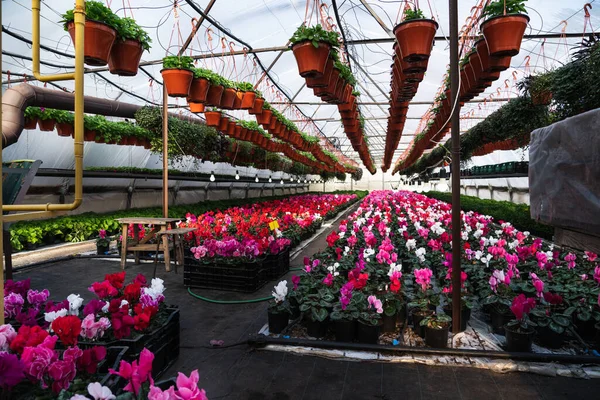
x: 414, y: 42
x: 503, y: 28
x: 392, y: 258
x: 109, y: 39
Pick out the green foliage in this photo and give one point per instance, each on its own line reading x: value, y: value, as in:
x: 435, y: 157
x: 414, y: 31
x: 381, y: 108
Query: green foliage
x: 178, y: 62
x: 315, y: 35
x: 345, y: 72
x: 95, y: 11
x: 127, y: 28
x: 32, y: 112
x: 496, y: 8
x: 436, y: 321
x: 411, y: 14
x: 517, y: 214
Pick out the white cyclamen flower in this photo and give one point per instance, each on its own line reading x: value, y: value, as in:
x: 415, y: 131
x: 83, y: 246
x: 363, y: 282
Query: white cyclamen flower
x: 52, y: 315
x: 411, y: 244
x: 464, y: 235
x: 75, y: 302
x: 280, y: 292
x: 99, y: 392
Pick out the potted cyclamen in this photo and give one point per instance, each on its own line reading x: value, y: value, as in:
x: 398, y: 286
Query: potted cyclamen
x: 311, y: 47
x: 316, y: 307
x: 279, y: 309
x: 504, y: 26
x: 436, y: 330
x: 346, y: 314
x: 101, y: 26
x: 128, y: 48
x: 425, y: 300
x: 369, y: 321
x: 102, y: 242
x: 177, y: 75
x: 552, y: 324
x: 519, y: 331
x: 498, y: 300
x: 394, y: 311
x: 415, y: 36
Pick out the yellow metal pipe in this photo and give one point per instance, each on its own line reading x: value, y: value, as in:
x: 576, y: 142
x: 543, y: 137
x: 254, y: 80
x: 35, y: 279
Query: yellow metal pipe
x: 78, y: 75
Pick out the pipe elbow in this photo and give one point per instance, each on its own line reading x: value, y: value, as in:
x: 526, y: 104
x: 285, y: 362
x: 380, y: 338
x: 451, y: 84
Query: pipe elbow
x: 14, y: 102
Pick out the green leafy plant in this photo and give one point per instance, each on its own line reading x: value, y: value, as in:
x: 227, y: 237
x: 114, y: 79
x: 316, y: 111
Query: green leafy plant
x: 345, y: 72
x: 496, y: 8
x: 178, y: 62
x: 32, y: 112
x: 318, y: 304
x: 315, y: 35
x: 436, y: 321
x: 127, y: 28
x: 94, y: 11
x: 411, y: 14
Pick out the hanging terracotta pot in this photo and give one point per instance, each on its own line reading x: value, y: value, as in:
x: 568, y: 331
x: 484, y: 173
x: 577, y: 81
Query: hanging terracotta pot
x: 503, y: 34
x: 311, y: 60
x: 199, y: 90
x: 223, y: 124
x: 329, y: 90
x: 228, y: 99
x: 231, y: 128
x: 125, y: 56
x: 237, y: 130
x: 30, y: 123
x: 147, y: 144
x: 258, y: 106
x: 213, y: 97
x: 415, y: 39
x: 196, y: 107
x: 347, y: 106
x: 264, y: 118
x: 131, y: 141
x: 323, y: 81
x: 64, y: 129
x: 272, y: 124
x: 213, y: 118
x: 177, y: 81
x: 46, y: 125
x: 248, y: 100
x: 89, y: 135
x: 541, y: 98
x: 99, y: 39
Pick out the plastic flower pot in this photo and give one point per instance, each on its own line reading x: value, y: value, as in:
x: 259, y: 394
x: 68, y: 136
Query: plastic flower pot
x: 542, y: 98
x: 248, y: 99
x: 368, y: 333
x: 415, y: 39
x: 213, y: 97
x: 177, y: 81
x: 499, y: 318
x: 228, y: 99
x: 89, y: 136
x: 437, y: 338
x: 465, y: 316
x: 199, y: 90
x: 597, y: 338
x: 264, y: 118
x: 258, y: 106
x: 294, y: 306
x: 30, y: 123
x: 125, y: 56
x: 503, y: 34
x: 231, y: 128
x: 101, y: 250
x: 345, y: 331
x: 389, y: 323
x: 517, y: 339
x: 316, y: 329
x: 223, y: 124
x: 329, y: 90
x: 323, y: 81
x: 196, y: 107
x: 99, y: 39
x: 46, y: 125
x: 585, y: 329
x: 64, y: 129
x: 278, y: 321
x: 311, y: 60
x: 417, y: 316
x: 213, y: 118
x: 548, y: 338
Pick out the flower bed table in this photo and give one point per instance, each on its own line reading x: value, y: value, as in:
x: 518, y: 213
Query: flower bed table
x: 135, y: 245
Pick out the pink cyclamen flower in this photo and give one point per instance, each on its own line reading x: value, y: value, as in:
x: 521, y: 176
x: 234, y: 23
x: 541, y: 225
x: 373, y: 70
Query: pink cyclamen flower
x: 102, y: 233
x: 584, y: 277
x: 538, y: 284
x: 423, y: 277
x: 542, y: 258
x: 591, y: 257
x: 99, y: 392
x: 187, y: 388
x: 7, y: 334
x: 376, y: 304
x: 570, y: 259
x: 328, y: 280
x: 295, y: 281
x: 157, y: 394
x: 597, y: 274
x: 13, y: 304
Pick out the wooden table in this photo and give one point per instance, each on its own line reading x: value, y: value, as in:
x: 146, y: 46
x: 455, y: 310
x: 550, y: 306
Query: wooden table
x: 136, y: 245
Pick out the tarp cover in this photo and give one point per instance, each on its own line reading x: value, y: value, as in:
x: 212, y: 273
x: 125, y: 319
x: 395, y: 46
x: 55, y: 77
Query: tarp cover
x: 564, y: 173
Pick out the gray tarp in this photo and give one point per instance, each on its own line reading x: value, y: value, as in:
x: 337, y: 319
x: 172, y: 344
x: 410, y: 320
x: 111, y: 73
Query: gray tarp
x: 564, y: 173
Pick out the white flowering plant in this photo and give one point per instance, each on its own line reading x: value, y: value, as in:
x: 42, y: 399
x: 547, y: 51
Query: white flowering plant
x: 280, y: 303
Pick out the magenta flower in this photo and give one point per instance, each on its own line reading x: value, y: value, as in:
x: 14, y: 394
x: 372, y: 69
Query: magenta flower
x: 187, y: 388
x: 591, y: 257
x: 597, y: 274
x: 538, y: 284
x: 136, y: 373
x: 13, y: 304
x: 328, y: 280
x: 37, y: 360
x: 423, y: 277
x: 295, y: 281
x: 7, y: 334
x: 62, y: 373
x: 11, y: 370
x: 570, y: 259
x: 102, y: 233
x: 36, y: 298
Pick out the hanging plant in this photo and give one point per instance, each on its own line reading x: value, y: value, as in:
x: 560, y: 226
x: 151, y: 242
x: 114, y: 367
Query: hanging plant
x: 128, y: 48
x: 539, y: 87
x: 415, y: 36
x: 101, y: 26
x: 64, y: 123
x: 311, y: 47
x: 32, y: 115
x: 504, y: 24
x: 213, y: 117
x: 177, y: 74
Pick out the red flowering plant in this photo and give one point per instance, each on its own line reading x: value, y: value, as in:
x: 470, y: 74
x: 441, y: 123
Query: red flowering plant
x: 521, y: 307
x: 550, y: 313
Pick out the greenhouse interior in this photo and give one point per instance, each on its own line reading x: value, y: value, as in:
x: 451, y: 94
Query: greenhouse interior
x: 275, y: 199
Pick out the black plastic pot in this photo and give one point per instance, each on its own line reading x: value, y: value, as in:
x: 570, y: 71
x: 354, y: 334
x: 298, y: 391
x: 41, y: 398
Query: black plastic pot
x: 465, y: 316
x: 401, y: 314
x: 345, y: 331
x: 368, y: 333
x: 597, y: 339
x: 278, y: 322
x: 389, y: 323
x: 518, y: 341
x: 548, y: 338
x: 499, y: 319
x: 585, y: 329
x: 101, y: 250
x: 437, y: 338
x: 316, y: 329
x: 417, y: 317
x: 294, y: 308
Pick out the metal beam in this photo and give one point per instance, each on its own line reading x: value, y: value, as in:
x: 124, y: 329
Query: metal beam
x: 384, y: 103
x: 374, y: 119
x: 195, y: 28
x: 379, y: 21
x: 266, y: 71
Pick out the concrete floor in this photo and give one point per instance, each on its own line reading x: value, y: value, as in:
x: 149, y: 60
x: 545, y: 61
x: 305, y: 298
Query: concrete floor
x: 243, y: 373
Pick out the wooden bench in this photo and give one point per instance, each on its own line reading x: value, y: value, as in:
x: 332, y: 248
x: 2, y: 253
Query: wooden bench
x: 177, y: 243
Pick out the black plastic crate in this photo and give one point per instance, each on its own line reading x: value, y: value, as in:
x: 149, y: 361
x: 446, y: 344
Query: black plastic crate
x: 277, y: 265
x: 245, y: 277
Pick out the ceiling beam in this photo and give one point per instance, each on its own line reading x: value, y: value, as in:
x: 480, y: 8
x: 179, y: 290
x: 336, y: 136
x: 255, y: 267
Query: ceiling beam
x: 385, y: 103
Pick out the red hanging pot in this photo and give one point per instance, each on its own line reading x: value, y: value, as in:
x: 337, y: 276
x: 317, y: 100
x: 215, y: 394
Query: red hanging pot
x: 264, y: 118
x: 213, y: 118
x: 257, y: 108
x: 415, y: 39
x: 237, y: 130
x: 347, y: 106
x: 89, y: 136
x: 323, y: 81
x: 199, y: 90
x: 503, y: 34
x: 46, y: 125
x: 231, y: 131
x: 64, y: 129
x: 125, y: 56
x: 131, y: 141
x: 147, y: 144
x: 177, y: 81
x: 311, y: 60
x: 196, y: 107
x: 490, y: 64
x: 213, y: 97
x: 248, y: 100
x: 329, y: 90
x: 223, y: 124
x: 272, y: 124
x: 99, y: 39
x: 228, y: 99
x: 30, y: 123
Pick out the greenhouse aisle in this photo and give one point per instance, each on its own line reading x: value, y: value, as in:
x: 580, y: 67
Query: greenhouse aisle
x: 241, y: 373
